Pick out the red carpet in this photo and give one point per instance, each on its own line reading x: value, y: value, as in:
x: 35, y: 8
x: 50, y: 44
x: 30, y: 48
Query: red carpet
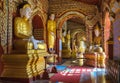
x: 69, y: 75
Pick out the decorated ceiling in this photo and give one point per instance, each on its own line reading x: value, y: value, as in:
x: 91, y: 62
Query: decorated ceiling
x: 95, y: 2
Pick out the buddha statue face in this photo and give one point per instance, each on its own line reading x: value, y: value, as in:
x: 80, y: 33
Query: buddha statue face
x: 26, y: 11
x: 97, y: 31
x: 52, y: 16
x: 68, y: 31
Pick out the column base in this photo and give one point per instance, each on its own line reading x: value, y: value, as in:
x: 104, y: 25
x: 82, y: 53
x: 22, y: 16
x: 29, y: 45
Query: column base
x: 54, y: 69
x: 45, y: 75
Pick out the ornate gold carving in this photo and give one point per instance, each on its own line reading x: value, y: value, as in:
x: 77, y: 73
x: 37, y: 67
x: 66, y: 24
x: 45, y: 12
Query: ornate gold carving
x: 59, y: 6
x: 42, y: 5
x: 91, y: 22
x: 3, y: 26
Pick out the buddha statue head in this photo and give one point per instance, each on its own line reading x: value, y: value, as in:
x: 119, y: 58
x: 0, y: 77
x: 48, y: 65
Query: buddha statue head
x: 98, y: 49
x: 52, y: 17
x: 83, y: 38
x: 25, y: 10
x: 97, y: 31
x: 68, y: 31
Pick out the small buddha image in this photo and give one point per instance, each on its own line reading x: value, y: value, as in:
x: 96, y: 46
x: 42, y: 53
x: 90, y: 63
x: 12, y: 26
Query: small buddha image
x: 68, y: 39
x: 63, y: 36
x: 74, y: 48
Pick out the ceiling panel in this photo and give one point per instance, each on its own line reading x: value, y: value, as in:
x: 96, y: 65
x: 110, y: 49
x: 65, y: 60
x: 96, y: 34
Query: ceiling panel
x: 94, y: 2
x: 77, y: 20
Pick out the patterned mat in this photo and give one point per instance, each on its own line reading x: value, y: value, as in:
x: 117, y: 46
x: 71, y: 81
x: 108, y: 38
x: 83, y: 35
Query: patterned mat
x: 71, y: 74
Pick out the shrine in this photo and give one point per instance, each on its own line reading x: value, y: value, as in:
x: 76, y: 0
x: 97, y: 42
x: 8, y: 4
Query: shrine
x: 57, y: 40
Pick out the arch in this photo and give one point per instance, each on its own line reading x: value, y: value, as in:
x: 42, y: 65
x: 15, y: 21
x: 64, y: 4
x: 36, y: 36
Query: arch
x: 69, y: 15
x: 64, y: 17
x: 39, y: 16
x: 75, y: 32
x: 38, y: 29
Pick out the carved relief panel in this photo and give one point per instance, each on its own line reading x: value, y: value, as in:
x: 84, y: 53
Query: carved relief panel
x: 3, y: 24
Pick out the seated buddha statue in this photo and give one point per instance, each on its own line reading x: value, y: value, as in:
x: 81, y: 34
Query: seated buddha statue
x: 101, y: 56
x: 82, y: 45
x: 97, y: 39
x: 23, y: 30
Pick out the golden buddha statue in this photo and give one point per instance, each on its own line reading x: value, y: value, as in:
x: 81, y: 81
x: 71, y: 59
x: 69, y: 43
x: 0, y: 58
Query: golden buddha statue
x: 66, y: 49
x: 74, y: 49
x: 101, y: 56
x: 63, y: 39
x: 51, y: 28
x: 97, y: 39
x: 68, y: 39
x: 63, y: 36
x: 22, y: 28
x: 82, y: 45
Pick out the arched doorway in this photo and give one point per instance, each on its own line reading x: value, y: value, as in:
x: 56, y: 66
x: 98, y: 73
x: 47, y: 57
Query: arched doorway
x: 78, y: 34
x: 69, y: 16
x: 38, y: 28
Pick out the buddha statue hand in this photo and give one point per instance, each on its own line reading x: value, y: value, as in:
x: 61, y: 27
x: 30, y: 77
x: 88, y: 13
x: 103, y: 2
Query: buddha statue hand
x: 52, y: 33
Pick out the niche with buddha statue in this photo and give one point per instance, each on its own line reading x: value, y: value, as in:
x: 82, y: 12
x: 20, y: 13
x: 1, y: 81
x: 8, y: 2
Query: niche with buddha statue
x: 97, y: 38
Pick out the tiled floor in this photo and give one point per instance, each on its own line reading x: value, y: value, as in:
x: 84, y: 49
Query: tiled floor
x: 98, y: 75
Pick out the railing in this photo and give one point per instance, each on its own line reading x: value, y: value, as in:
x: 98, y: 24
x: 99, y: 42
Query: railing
x: 113, y: 70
